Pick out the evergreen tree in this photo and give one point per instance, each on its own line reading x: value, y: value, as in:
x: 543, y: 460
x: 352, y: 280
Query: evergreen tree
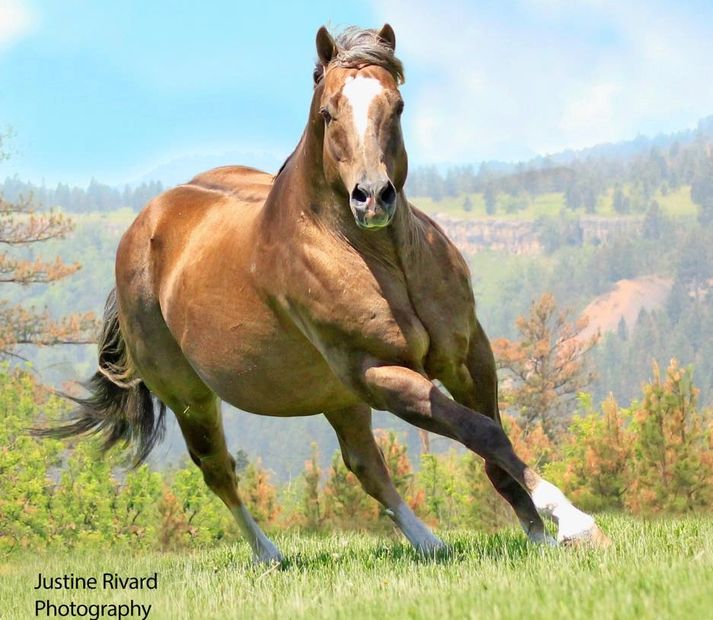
x: 673, y: 463
x: 546, y: 367
x: 22, y: 226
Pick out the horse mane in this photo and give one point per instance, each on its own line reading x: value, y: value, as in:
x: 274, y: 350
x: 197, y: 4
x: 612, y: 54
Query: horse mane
x: 357, y: 48
x: 360, y: 47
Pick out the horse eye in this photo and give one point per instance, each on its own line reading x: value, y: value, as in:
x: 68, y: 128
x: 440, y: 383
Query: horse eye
x: 325, y: 114
x: 399, y: 107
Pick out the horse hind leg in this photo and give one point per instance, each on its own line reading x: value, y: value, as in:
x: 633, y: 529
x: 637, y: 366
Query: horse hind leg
x: 165, y: 370
x: 364, y: 459
x: 202, y: 429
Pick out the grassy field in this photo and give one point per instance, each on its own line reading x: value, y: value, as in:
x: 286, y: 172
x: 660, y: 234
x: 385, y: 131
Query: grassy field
x: 673, y: 204
x: 656, y: 569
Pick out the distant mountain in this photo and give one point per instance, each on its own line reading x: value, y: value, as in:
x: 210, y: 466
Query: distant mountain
x: 624, y: 149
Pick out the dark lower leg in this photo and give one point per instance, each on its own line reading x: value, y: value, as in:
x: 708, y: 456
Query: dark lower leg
x: 475, y: 385
x: 520, y: 501
x: 415, y: 399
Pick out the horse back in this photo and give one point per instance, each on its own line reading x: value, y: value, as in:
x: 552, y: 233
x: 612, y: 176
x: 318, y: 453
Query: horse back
x: 243, y: 182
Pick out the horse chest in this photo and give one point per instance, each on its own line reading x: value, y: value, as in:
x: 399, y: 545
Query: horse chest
x: 349, y: 305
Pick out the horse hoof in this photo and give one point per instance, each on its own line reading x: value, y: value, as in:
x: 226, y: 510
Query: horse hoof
x: 592, y: 537
x: 268, y: 556
x: 433, y: 549
x: 542, y: 538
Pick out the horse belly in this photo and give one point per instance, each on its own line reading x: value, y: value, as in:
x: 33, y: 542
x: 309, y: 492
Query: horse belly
x: 254, y: 362
x: 281, y: 382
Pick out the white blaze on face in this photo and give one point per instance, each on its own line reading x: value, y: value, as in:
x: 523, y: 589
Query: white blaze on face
x: 360, y: 92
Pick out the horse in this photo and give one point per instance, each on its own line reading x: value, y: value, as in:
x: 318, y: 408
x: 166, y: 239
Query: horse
x: 321, y: 290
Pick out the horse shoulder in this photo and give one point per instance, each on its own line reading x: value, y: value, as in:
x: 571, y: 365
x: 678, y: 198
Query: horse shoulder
x: 441, y: 255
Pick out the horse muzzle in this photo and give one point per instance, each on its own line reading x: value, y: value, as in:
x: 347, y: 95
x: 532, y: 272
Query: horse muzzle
x: 373, y: 206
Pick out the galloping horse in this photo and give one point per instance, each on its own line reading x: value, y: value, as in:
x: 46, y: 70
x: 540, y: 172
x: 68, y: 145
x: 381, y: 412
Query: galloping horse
x: 321, y: 290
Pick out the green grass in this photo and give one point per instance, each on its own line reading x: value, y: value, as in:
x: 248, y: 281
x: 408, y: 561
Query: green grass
x: 658, y: 569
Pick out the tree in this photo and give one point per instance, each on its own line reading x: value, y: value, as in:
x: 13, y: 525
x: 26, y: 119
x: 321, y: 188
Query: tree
x: 491, y: 198
x: 259, y: 493
x: 702, y: 192
x: 397, y: 461
x: 597, y: 454
x: 311, y: 503
x: 22, y: 226
x: 620, y: 202
x: 25, y: 462
x: 654, y: 222
x: 673, y: 462
x: 547, y: 367
x: 347, y: 506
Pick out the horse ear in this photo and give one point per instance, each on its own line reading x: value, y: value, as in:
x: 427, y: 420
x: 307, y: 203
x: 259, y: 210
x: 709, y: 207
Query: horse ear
x: 326, y: 48
x: 387, y: 35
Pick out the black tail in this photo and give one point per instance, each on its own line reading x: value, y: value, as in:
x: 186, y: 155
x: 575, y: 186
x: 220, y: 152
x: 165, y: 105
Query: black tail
x: 120, y: 407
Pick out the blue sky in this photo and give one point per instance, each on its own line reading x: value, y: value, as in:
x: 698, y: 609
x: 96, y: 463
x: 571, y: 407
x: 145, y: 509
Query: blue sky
x: 122, y: 90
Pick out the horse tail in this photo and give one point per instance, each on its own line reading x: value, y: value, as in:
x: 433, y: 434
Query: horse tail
x: 120, y: 407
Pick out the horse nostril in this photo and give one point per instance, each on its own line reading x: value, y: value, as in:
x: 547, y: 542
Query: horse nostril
x: 359, y: 195
x: 388, y: 194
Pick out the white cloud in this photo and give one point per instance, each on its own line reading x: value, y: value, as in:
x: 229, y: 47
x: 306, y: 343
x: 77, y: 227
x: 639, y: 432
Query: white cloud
x: 16, y: 20
x: 537, y: 76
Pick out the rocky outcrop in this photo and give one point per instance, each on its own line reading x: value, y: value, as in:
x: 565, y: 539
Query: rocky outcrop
x: 523, y: 236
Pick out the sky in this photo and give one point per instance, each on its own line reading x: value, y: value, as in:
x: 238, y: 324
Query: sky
x: 127, y: 91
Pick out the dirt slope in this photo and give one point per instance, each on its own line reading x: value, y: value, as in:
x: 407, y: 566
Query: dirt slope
x: 626, y: 300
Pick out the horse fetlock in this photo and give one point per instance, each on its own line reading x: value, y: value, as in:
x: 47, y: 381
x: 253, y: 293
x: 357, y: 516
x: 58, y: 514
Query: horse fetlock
x: 416, y: 531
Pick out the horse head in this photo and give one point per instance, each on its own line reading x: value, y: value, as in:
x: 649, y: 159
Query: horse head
x: 357, y: 96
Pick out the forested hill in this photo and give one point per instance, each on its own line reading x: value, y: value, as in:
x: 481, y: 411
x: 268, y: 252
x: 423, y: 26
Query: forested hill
x: 632, y: 173
x: 95, y: 197
x: 626, y: 176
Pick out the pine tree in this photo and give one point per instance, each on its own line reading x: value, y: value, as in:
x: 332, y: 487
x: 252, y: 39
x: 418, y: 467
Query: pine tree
x: 490, y: 197
x: 347, y: 506
x: 672, y: 463
x: 312, y: 508
x: 595, y: 468
x: 21, y: 225
x: 545, y: 368
x: 259, y: 494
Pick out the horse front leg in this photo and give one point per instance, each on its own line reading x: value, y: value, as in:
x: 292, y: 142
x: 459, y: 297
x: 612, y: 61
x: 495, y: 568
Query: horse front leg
x: 415, y: 399
x: 364, y: 459
x: 475, y: 385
